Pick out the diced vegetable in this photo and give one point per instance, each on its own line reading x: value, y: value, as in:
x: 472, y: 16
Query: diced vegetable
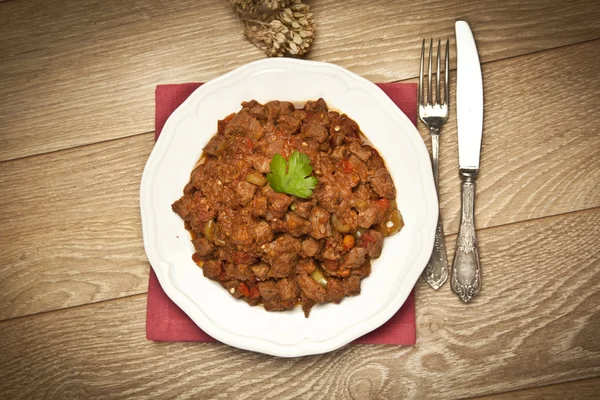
x: 392, y: 225
x: 359, y: 232
x: 209, y: 229
x: 243, y: 289
x: 256, y: 178
x: 318, y: 277
x: 348, y: 242
x: 344, y: 273
x: 338, y: 225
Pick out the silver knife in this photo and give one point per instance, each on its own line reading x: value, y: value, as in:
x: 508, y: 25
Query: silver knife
x: 466, y: 270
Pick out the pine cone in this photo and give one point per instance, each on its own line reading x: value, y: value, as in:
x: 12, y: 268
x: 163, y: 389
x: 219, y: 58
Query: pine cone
x: 278, y: 31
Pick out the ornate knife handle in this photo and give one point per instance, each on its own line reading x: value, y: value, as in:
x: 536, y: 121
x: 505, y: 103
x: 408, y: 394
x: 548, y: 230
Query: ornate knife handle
x: 466, y: 270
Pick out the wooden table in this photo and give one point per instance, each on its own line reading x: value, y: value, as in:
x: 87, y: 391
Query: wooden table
x: 76, y: 127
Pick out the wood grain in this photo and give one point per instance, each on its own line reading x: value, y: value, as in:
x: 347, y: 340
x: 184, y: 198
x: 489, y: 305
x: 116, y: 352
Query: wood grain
x: 71, y: 227
x: 87, y: 72
x: 535, y: 323
x: 77, y: 237
x: 578, y: 390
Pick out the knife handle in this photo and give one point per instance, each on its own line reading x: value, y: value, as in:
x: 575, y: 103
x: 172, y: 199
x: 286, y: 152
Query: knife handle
x: 466, y: 270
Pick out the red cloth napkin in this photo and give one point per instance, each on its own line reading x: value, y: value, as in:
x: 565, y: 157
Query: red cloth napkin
x: 167, y: 322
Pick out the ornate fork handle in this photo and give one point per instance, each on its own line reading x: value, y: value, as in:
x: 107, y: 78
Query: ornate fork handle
x: 466, y: 270
x: 436, y: 271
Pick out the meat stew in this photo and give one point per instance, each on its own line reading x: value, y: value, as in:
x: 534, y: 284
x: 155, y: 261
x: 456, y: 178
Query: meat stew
x: 279, y: 249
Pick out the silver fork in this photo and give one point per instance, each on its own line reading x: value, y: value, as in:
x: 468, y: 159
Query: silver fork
x: 434, y: 114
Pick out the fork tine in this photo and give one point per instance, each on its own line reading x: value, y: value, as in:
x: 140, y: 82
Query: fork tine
x: 420, y: 94
x: 447, y: 74
x: 429, y: 100
x: 438, y: 98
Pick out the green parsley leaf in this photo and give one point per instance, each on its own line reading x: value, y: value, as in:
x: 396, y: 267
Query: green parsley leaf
x: 293, y: 177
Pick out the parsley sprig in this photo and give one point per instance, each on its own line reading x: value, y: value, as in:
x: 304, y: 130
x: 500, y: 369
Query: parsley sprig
x: 292, y: 177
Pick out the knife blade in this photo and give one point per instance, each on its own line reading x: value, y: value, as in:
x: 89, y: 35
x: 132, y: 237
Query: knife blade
x: 469, y: 98
x: 466, y: 269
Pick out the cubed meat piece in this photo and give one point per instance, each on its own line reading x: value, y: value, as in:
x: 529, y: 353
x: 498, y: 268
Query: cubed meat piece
x: 382, y: 184
x: 197, y: 176
x: 242, y: 257
x: 305, y: 266
x: 277, y: 108
x: 278, y: 203
x: 242, y: 235
x: 243, y: 272
x: 303, y: 208
x: 296, y: 225
x: 258, y: 205
x: 268, y: 290
x: 245, y: 192
x: 318, y: 106
x: 244, y: 124
x: 203, y: 247
x: 333, y: 248
x: 201, y: 213
x: 288, y: 289
x: 183, y: 207
x: 345, y: 220
x: 307, y: 304
x: 372, y: 241
x: 260, y: 163
x: 263, y: 232
x: 283, y: 266
x: 310, y: 248
x: 335, y: 290
x: 226, y: 173
x: 216, y: 146
x: 354, y: 258
x: 277, y: 225
x: 348, y: 129
x: 289, y: 124
x: 328, y: 195
x: 212, y: 269
x: 189, y: 188
x: 331, y: 266
x: 270, y: 295
x: 278, y: 146
x: 363, y: 152
x: 375, y: 162
x: 359, y: 167
x: 320, y: 223
x: 370, y: 216
x: 363, y: 271
x: 255, y: 109
x: 314, y: 130
x: 261, y: 271
x: 351, y: 285
x: 339, y: 153
x: 282, y: 254
x: 310, y: 288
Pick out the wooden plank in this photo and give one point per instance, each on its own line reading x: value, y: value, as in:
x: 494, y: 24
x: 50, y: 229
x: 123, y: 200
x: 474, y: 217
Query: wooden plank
x: 71, y: 245
x: 87, y: 72
x: 578, y: 390
x: 535, y: 323
x: 72, y: 233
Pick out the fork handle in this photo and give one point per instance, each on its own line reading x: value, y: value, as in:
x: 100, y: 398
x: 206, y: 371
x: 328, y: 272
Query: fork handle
x: 436, y: 271
x: 435, y: 155
x: 466, y: 270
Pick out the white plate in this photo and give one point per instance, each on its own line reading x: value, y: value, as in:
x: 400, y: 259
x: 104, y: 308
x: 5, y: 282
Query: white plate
x: 288, y: 333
